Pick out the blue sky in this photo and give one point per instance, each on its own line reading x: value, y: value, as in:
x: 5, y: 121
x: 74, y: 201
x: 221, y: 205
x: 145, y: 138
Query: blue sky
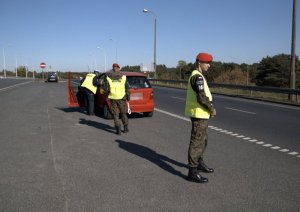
x: 66, y: 33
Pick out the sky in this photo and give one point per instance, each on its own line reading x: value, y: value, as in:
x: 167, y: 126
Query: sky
x: 83, y: 35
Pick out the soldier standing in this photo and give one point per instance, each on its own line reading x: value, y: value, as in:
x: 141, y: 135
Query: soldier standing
x: 200, y: 109
x: 118, y: 94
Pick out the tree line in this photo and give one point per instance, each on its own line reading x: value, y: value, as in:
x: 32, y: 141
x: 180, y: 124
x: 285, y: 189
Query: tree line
x: 270, y: 71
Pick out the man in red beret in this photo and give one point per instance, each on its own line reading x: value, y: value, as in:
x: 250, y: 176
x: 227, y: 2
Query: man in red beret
x: 200, y: 109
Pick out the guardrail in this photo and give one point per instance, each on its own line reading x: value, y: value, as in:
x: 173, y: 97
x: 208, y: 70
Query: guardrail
x: 257, y: 92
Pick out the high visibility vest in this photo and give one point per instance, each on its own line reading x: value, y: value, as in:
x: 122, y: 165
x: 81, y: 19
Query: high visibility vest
x: 88, y: 83
x: 117, y: 88
x: 192, y: 106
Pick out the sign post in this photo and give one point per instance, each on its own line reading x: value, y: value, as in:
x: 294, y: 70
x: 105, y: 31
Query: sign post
x: 42, y: 66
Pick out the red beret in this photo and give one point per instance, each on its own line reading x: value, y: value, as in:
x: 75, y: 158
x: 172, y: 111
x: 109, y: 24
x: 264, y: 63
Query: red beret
x: 204, y: 57
x: 116, y: 65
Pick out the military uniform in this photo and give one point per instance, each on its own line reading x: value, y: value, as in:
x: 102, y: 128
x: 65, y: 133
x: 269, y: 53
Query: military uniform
x: 199, y: 108
x: 118, y: 91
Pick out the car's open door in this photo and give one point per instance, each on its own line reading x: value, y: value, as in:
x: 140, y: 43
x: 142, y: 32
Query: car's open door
x: 75, y: 95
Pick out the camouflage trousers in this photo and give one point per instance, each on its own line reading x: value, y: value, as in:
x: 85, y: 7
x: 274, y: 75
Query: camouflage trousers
x: 119, y: 107
x: 198, y: 141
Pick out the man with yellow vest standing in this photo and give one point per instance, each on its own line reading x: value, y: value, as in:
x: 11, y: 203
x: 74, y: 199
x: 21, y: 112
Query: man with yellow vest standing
x: 200, y: 109
x: 118, y: 90
x: 90, y: 84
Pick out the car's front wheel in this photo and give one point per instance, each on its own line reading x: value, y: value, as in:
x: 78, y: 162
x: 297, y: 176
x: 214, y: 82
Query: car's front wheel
x: 106, y: 113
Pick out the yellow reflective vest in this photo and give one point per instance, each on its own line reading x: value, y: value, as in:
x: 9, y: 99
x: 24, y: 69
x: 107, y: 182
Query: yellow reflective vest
x: 88, y: 83
x: 117, y: 88
x: 192, y: 106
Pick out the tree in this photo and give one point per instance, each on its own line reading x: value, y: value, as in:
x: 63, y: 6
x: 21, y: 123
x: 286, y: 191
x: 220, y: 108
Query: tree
x: 275, y: 71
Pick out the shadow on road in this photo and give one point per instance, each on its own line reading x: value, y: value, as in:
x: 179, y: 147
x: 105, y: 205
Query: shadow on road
x: 97, y: 125
x: 152, y: 156
x: 72, y: 109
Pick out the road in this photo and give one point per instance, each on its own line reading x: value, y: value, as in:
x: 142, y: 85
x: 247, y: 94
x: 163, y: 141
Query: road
x: 55, y: 158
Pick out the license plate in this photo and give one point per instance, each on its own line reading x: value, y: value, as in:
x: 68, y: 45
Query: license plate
x: 136, y: 96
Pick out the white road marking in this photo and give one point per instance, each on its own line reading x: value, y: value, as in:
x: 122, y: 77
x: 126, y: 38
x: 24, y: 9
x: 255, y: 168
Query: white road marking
x: 16, y: 85
x: 174, y: 97
x: 268, y: 145
x: 242, y: 111
x: 234, y: 134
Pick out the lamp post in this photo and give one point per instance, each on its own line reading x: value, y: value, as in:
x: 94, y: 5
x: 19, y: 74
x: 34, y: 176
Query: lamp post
x: 4, y: 67
x: 154, y: 63
x: 116, y: 49
x: 293, y: 50
x: 98, y: 47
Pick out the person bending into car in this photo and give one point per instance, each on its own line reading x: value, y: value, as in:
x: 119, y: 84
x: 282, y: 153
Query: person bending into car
x: 90, y: 84
x: 118, y: 93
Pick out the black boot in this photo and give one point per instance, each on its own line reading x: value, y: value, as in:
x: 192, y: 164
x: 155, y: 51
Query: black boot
x: 194, y: 176
x: 126, y: 129
x: 203, y: 167
x: 118, y: 130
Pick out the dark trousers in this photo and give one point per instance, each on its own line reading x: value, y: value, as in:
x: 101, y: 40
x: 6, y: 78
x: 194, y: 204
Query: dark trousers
x: 119, y: 107
x: 89, y: 96
x: 198, y: 141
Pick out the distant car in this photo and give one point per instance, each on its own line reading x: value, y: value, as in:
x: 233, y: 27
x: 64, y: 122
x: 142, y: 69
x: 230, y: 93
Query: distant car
x: 52, y: 77
x: 141, y: 96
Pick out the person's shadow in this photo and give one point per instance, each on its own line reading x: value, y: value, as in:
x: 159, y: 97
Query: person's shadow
x: 97, y: 125
x: 152, y: 156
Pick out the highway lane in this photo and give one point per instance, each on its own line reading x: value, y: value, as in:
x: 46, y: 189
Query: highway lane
x: 267, y: 122
x: 55, y: 158
x: 8, y: 83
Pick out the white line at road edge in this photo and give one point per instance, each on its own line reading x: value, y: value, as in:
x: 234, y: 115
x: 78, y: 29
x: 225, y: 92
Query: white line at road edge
x: 13, y: 86
x: 242, y: 137
x: 242, y: 111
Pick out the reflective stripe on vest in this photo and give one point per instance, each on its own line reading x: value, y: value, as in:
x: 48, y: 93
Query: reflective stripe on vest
x: 192, y: 107
x: 88, y: 83
x: 117, y: 88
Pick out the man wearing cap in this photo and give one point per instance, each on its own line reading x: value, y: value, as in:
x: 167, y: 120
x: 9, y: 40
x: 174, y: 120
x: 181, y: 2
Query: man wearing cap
x: 200, y: 109
x: 118, y: 90
x: 89, y: 86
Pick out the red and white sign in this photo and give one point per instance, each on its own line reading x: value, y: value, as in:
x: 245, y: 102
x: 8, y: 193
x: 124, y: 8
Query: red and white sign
x: 43, y: 65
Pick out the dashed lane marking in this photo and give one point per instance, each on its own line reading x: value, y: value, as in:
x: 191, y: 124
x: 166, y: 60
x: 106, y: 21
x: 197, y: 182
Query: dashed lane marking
x: 242, y: 137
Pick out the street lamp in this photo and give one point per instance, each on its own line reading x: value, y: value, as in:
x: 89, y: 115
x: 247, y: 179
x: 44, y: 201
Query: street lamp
x: 154, y: 63
x: 116, y: 49
x: 4, y: 63
x: 98, y: 47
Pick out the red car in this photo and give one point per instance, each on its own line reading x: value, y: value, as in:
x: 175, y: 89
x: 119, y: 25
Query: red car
x: 141, y: 96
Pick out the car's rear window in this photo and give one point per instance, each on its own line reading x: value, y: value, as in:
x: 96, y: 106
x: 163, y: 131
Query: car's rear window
x: 138, y: 82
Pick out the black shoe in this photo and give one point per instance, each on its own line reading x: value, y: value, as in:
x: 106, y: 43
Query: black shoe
x: 194, y: 176
x: 203, y: 167
x: 126, y: 129
x: 118, y: 130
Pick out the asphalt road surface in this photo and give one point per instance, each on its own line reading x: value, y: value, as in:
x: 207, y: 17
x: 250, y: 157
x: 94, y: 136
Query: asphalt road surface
x: 55, y: 158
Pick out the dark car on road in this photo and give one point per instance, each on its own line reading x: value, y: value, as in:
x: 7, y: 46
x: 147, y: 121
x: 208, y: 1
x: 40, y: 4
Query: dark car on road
x: 52, y: 77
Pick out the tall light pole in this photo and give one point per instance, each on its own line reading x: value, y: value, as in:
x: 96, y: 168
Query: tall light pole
x: 293, y: 49
x: 4, y: 68
x: 98, y: 47
x: 116, y: 49
x: 154, y: 63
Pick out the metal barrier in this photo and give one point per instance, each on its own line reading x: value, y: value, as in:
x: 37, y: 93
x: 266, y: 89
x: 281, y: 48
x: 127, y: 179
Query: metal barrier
x: 280, y: 94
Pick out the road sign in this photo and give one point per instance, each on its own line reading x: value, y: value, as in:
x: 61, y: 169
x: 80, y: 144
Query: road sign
x: 43, y: 65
